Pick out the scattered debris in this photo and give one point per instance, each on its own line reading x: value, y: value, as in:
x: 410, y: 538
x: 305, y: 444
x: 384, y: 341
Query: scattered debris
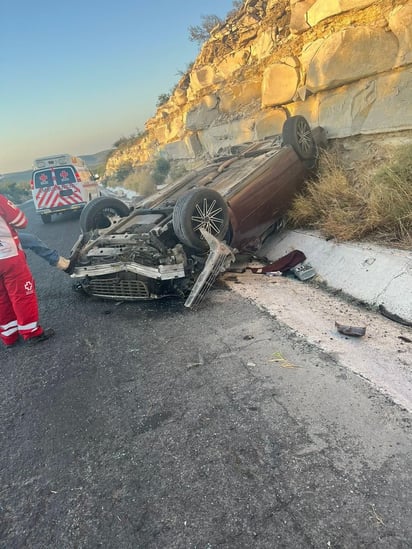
x: 282, y: 264
x: 304, y: 271
x: 376, y: 516
x: 277, y: 357
x: 200, y: 362
x: 294, y: 262
x: 274, y: 273
x: 350, y: 330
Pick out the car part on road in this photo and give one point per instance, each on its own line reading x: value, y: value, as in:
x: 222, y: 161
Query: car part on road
x: 350, y: 330
x: 219, y: 259
x: 304, y: 271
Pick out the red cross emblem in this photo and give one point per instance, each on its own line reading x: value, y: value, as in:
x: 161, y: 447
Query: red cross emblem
x: 28, y: 286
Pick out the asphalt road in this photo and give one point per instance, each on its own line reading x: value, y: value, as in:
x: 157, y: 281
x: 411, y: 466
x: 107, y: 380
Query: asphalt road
x: 151, y: 426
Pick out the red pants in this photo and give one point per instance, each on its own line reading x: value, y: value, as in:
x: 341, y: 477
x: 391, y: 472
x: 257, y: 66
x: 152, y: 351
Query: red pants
x: 19, y: 312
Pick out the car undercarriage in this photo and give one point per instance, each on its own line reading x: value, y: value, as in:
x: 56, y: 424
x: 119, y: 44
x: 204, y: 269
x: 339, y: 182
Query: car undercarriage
x: 177, y: 241
x: 147, y: 264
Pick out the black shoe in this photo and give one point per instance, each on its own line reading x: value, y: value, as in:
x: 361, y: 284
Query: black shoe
x: 71, y: 267
x: 47, y: 334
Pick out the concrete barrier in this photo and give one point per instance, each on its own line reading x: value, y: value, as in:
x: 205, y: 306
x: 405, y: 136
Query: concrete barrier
x: 373, y: 274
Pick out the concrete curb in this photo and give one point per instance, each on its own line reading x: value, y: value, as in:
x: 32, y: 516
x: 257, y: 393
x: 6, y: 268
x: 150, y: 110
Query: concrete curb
x: 372, y: 274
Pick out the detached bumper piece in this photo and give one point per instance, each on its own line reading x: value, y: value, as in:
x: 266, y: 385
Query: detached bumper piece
x: 219, y: 259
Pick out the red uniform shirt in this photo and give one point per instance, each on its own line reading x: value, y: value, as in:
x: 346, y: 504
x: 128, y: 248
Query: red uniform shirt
x: 11, y: 218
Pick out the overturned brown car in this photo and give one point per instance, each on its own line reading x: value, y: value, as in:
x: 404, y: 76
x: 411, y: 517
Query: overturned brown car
x: 177, y: 241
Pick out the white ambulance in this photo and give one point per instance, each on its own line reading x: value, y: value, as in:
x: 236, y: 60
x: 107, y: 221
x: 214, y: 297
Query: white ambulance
x: 61, y: 183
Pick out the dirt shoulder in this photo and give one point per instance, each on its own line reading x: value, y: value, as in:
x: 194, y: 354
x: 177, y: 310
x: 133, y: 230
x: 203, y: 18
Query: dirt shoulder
x: 383, y: 356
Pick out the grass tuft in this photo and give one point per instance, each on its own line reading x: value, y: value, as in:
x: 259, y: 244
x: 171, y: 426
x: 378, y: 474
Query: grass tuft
x: 361, y: 203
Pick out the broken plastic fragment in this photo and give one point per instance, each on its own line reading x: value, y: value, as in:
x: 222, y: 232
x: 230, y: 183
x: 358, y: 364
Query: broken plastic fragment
x: 350, y: 330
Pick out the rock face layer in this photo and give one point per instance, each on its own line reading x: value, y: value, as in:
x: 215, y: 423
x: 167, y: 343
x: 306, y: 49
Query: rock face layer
x: 343, y: 64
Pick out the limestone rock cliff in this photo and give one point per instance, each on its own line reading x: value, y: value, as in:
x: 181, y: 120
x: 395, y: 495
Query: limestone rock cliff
x: 345, y: 65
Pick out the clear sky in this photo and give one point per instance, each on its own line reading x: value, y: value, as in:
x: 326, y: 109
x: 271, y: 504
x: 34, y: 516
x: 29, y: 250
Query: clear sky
x: 78, y: 75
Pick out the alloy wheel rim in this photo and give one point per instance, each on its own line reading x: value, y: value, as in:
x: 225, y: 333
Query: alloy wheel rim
x: 207, y: 216
x: 304, y: 136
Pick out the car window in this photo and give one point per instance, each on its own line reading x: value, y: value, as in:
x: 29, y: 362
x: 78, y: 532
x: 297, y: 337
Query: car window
x: 64, y: 175
x: 42, y: 179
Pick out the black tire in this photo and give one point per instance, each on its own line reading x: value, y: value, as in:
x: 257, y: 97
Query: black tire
x: 46, y: 218
x: 200, y: 208
x: 101, y: 212
x: 297, y: 133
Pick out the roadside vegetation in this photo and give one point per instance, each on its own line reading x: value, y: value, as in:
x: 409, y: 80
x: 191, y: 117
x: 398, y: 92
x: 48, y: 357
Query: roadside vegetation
x: 362, y: 202
x: 346, y: 201
x: 144, y: 180
x: 140, y: 182
x: 16, y: 192
x: 201, y: 33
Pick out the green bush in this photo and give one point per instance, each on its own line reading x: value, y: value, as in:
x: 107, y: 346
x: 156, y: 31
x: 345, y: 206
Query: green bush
x: 162, y: 168
x: 124, y: 170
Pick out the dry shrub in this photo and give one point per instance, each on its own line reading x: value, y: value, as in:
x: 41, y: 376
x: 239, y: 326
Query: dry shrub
x: 177, y: 170
x: 390, y: 203
x: 359, y: 204
x: 332, y: 203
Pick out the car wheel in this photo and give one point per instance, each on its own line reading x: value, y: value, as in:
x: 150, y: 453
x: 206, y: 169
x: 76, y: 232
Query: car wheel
x: 200, y: 208
x: 101, y: 213
x: 46, y: 218
x: 297, y: 133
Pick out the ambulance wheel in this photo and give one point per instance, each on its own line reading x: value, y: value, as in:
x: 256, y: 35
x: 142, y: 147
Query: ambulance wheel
x: 46, y: 218
x: 102, y: 213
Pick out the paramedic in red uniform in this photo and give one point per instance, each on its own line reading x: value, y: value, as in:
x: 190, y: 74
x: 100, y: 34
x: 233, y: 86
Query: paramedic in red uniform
x: 19, y: 313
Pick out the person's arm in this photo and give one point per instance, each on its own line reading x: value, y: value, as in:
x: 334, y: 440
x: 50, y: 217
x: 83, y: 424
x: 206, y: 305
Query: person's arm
x: 32, y: 242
